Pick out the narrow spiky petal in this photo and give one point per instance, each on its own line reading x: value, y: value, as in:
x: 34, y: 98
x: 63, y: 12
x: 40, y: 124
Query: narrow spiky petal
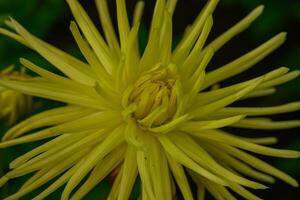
x: 145, y: 115
x: 107, y: 25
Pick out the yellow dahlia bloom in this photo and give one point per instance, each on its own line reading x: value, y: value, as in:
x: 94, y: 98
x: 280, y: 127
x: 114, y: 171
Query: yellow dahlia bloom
x: 13, y: 104
x: 148, y: 115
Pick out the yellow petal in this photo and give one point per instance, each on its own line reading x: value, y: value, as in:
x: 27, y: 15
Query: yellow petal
x: 123, y: 23
x: 159, y: 170
x: 42, y: 88
x: 42, y: 160
x: 212, y: 107
x: 138, y: 12
x: 54, y: 58
x: 193, y: 58
x: 266, y: 124
x: 244, y: 62
x: 260, y: 93
x: 180, y: 177
x: 171, y: 5
x: 51, y: 173
x: 54, y: 145
x: 200, y: 192
x: 280, y: 80
x: 76, y: 63
x: 181, y: 51
x: 97, y: 154
x: 166, y: 39
x: 114, y: 191
x: 39, y: 135
x: 222, y: 137
x: 101, y: 170
x: 243, y: 192
x: 237, y: 28
x: 192, y: 126
x: 57, y: 183
x: 92, y: 35
x: 237, y: 165
x: 144, y: 172
x: 210, y: 96
x: 203, y: 158
x: 85, y: 49
x: 183, y: 159
x: 47, y: 118
x: 129, y: 173
x: 259, y: 164
x: 150, y: 56
x: 257, y: 111
x: 107, y: 26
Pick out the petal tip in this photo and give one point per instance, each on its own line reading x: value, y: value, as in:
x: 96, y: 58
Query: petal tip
x: 283, y: 35
x: 260, y: 8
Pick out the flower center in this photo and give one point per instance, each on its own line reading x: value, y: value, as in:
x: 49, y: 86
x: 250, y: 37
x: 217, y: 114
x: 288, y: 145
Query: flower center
x: 155, y: 98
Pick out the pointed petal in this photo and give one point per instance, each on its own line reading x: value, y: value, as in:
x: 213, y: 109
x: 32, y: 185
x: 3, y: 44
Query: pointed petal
x: 44, y: 89
x: 123, y: 23
x: 214, y: 106
x: 52, y: 172
x: 101, y: 170
x: 144, y: 172
x: 237, y: 28
x: 159, y: 170
x: 203, y: 158
x: 222, y: 137
x: 47, y: 118
x: 90, y: 56
x: 183, y: 159
x: 129, y: 173
x: 266, y: 124
x: 76, y: 63
x: 92, y: 35
x: 244, y: 62
x: 237, y: 165
x: 243, y: 192
x: 55, y: 59
x: 193, y: 58
x: 97, y: 154
x: 257, y: 111
x: 194, y: 126
x: 181, y: 51
x: 180, y: 177
x: 138, y: 12
x: 259, y: 164
x: 107, y: 26
x: 213, y: 95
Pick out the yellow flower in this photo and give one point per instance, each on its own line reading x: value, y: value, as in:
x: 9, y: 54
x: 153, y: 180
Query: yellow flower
x: 146, y: 115
x: 13, y: 104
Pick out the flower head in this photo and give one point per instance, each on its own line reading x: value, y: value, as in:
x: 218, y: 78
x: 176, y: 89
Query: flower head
x: 147, y: 115
x: 13, y: 104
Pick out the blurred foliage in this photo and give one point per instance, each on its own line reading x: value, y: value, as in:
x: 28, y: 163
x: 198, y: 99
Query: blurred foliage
x: 49, y: 19
x: 39, y: 16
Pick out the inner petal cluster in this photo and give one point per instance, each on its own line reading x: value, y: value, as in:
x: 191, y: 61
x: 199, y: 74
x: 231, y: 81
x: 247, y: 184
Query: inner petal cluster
x: 155, y: 98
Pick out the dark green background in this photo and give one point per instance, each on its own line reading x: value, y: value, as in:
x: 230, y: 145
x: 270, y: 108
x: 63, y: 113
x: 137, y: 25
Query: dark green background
x: 49, y: 19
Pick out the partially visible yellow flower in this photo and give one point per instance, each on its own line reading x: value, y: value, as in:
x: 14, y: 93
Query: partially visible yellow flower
x: 13, y: 104
x: 148, y: 115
